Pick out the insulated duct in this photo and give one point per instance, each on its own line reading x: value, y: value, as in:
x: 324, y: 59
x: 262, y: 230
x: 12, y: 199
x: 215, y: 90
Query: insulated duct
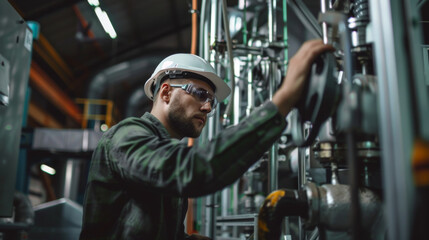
x: 330, y: 208
x: 119, y: 81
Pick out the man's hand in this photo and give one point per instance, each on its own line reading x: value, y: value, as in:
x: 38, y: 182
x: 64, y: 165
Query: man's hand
x: 299, y: 65
x: 198, y: 237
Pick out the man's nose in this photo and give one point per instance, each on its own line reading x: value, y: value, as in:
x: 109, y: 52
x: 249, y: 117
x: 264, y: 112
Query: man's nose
x: 206, y: 107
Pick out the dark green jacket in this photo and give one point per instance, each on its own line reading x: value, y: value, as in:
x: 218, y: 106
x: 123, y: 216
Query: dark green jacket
x: 140, y: 177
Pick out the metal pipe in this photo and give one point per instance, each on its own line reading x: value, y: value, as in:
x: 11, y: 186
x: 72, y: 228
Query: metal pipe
x: 237, y: 95
x: 329, y: 203
x: 354, y: 171
x: 227, y: 114
x: 212, y: 123
x: 323, y: 7
x: 214, y: 8
x: 203, y: 31
x: 250, y: 89
x: 273, y: 167
x: 273, y: 163
x: 302, y: 167
x: 272, y: 20
x: 394, y: 116
x: 306, y: 17
x: 421, y: 3
x: 285, y: 36
x: 245, y: 33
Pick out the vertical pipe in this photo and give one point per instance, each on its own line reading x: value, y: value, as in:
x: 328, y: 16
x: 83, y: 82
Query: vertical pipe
x: 350, y: 135
x: 395, y: 116
x: 354, y: 186
x: 236, y: 120
x: 202, y: 33
x: 250, y: 89
x: 237, y: 95
x: 224, y: 207
x: 302, y: 179
x: 272, y: 32
x: 273, y: 163
x: 302, y: 167
x: 194, y: 27
x: 272, y: 20
x: 210, y: 216
x: 214, y: 31
x: 71, y: 179
x: 190, y: 212
x: 231, y: 71
x: 285, y: 37
x: 323, y: 7
x: 245, y: 33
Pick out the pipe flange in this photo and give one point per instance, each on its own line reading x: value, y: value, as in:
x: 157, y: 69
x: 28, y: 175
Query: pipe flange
x: 313, y: 198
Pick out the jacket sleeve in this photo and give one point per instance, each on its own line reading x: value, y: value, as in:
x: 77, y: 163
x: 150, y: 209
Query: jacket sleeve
x: 171, y: 167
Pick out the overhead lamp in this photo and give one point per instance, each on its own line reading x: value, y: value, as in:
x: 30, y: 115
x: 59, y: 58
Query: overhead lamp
x: 94, y: 3
x: 45, y: 168
x: 105, y: 21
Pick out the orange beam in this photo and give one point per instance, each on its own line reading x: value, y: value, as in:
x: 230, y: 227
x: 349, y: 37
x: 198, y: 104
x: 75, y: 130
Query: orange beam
x: 42, y: 117
x: 43, y: 48
x: 58, y: 97
x: 55, y: 55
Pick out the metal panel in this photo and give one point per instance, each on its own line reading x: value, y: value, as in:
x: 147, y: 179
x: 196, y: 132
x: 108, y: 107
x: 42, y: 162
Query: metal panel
x: 65, y: 140
x: 58, y: 219
x: 4, y: 80
x: 395, y: 115
x: 15, y: 46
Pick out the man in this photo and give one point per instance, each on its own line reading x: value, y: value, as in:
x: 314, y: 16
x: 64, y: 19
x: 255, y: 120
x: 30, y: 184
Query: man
x: 141, y: 173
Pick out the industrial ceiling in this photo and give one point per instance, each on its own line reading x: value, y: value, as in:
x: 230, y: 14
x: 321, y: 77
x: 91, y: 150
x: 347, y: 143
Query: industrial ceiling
x: 72, y: 47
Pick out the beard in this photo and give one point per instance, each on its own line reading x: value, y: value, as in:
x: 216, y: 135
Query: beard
x: 180, y: 123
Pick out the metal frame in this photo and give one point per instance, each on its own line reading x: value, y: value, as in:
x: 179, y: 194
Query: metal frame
x: 395, y: 116
x: 240, y: 221
x: 425, y: 50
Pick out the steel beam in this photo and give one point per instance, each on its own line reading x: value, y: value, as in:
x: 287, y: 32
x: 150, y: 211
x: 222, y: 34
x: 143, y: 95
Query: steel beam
x: 47, y: 52
x: 42, y: 117
x: 52, y: 92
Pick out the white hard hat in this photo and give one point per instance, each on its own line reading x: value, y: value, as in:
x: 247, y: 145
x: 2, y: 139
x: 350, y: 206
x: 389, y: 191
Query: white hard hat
x: 180, y: 63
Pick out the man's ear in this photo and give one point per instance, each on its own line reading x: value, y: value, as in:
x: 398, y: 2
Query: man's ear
x: 165, y: 92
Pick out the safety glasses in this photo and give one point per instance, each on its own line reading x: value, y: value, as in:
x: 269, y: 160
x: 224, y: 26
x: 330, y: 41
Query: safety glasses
x: 200, y: 94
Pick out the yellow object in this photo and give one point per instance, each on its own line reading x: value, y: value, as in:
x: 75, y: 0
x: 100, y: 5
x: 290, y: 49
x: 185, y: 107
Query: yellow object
x: 420, y: 162
x: 88, y: 116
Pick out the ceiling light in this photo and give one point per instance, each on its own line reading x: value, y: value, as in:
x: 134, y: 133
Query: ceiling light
x: 105, y: 22
x: 94, y: 3
x: 47, y: 169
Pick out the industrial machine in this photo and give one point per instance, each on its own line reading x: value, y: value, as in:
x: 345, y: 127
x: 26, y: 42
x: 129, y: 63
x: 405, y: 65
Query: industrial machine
x: 344, y: 167
x: 352, y: 162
